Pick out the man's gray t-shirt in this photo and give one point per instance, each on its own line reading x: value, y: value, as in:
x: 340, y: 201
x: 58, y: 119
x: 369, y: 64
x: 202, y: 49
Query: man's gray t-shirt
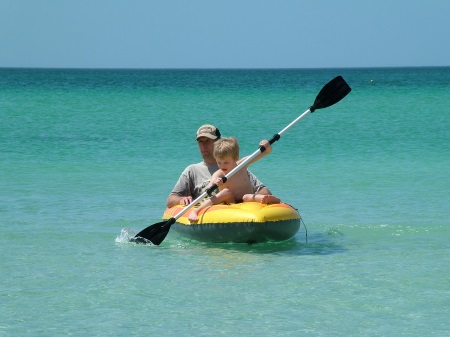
x: 196, y: 177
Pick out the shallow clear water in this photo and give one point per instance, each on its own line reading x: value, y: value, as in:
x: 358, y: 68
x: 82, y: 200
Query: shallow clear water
x: 89, y: 156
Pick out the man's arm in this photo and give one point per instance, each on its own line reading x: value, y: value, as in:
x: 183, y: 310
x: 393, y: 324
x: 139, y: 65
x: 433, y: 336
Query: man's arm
x: 181, y: 190
x: 258, y: 187
x: 175, y: 199
x: 264, y: 191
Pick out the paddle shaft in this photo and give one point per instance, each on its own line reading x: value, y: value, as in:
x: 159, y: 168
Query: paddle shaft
x: 211, y: 189
x: 261, y: 149
x: 330, y: 94
x: 295, y: 121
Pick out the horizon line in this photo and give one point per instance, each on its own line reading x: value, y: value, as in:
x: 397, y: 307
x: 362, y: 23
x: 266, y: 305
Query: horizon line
x: 216, y: 68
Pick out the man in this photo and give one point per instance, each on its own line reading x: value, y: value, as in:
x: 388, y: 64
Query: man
x: 195, y: 177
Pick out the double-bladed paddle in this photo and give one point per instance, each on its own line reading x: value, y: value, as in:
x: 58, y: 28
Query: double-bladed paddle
x: 331, y: 93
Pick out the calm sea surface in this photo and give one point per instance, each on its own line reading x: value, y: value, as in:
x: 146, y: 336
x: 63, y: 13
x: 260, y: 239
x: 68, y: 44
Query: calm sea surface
x: 88, y: 157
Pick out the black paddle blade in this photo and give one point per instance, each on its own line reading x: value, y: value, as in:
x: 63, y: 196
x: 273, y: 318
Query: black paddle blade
x: 331, y: 93
x: 155, y: 233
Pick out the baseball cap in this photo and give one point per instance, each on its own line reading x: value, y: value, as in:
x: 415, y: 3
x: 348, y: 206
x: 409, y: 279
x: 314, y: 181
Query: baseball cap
x: 209, y: 131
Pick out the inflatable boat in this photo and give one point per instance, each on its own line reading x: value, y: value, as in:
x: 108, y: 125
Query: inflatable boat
x: 247, y: 222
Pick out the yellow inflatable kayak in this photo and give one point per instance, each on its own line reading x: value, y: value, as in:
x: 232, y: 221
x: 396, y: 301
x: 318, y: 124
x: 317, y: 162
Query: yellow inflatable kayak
x: 247, y: 222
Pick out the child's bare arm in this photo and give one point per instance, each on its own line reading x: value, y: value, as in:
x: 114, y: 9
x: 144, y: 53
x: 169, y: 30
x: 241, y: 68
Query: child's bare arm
x: 268, y: 149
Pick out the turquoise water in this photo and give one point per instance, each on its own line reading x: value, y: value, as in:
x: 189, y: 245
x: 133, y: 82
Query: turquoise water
x: 89, y: 156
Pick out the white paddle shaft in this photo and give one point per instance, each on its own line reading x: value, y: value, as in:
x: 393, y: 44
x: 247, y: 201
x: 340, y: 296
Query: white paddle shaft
x: 241, y: 165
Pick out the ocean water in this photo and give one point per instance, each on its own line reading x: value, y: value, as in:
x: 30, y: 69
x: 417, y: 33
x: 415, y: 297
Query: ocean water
x: 88, y: 157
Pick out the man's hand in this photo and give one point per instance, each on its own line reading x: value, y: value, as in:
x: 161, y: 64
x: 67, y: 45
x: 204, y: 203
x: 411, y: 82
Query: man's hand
x: 175, y: 199
x: 185, y: 200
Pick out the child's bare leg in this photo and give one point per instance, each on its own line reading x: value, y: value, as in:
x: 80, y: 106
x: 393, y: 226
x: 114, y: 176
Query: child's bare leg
x: 248, y: 197
x: 269, y: 199
x: 262, y: 198
x: 223, y: 196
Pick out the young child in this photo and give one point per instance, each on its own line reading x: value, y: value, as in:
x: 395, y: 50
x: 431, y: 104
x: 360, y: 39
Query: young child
x: 238, y: 187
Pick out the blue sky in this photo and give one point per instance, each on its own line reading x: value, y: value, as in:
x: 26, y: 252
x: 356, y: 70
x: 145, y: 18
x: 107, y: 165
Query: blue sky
x: 224, y: 33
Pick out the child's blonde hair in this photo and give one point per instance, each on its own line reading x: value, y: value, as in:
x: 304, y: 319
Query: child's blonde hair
x: 226, y: 147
